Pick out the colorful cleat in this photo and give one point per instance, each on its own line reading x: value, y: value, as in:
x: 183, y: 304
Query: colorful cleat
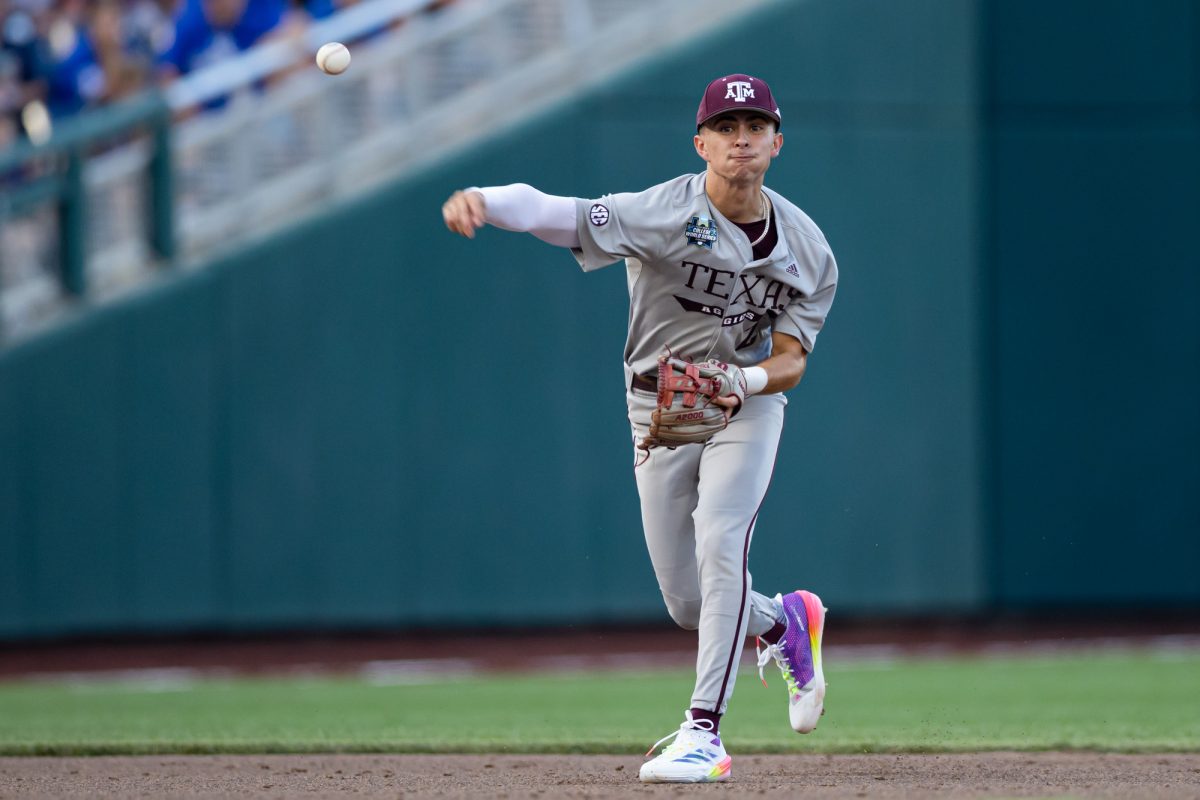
x: 798, y: 655
x: 696, y: 756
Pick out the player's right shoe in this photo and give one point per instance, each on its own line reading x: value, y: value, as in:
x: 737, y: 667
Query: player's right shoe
x: 798, y: 655
x: 696, y: 756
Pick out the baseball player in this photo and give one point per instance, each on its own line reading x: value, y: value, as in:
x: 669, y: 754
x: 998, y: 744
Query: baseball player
x: 725, y: 270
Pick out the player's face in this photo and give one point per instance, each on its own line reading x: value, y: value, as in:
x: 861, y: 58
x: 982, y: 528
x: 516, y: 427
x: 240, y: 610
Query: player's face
x: 739, y: 146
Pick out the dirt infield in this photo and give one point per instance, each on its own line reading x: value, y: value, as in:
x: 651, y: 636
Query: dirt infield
x: 412, y: 776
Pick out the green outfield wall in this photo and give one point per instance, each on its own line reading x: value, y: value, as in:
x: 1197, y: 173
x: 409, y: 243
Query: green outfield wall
x: 1094, y: 271
x: 366, y: 421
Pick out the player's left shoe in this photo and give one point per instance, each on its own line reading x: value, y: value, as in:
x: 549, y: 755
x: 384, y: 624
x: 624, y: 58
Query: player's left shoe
x: 798, y: 655
x: 696, y: 756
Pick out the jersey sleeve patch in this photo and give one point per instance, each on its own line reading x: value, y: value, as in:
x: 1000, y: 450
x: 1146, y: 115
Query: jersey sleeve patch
x: 598, y: 214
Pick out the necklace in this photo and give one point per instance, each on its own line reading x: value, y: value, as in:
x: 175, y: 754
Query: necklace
x: 766, y: 211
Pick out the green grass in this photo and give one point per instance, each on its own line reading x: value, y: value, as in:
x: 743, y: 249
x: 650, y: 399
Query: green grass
x: 1120, y: 702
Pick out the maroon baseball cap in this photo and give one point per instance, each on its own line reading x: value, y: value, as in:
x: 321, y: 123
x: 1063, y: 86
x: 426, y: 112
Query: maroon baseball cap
x: 737, y: 93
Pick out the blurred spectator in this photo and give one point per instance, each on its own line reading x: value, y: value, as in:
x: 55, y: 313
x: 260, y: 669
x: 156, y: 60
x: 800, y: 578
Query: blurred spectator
x: 89, y: 63
x: 149, y: 30
x: 208, y: 31
x: 23, y: 56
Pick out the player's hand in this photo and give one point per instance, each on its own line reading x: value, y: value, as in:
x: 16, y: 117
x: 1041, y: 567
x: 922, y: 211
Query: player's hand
x: 465, y: 213
x: 729, y: 402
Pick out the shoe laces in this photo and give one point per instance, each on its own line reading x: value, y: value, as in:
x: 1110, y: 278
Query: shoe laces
x: 774, y: 651
x: 702, y: 725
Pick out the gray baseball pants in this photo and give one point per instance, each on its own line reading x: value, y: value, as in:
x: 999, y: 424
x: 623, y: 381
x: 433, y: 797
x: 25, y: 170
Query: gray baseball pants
x: 699, y: 505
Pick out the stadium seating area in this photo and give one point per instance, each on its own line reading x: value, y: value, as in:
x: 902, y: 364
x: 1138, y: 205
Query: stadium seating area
x: 61, y: 57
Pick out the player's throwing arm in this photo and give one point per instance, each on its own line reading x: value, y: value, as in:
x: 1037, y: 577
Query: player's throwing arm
x: 517, y: 207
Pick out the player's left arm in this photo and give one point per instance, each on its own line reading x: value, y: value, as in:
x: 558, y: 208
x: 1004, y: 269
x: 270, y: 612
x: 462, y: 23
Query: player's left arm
x: 786, y: 366
x: 782, y: 371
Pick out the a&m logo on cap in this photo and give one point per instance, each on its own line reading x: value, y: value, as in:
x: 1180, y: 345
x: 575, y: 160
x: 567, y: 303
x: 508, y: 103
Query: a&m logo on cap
x: 701, y: 231
x: 739, y: 91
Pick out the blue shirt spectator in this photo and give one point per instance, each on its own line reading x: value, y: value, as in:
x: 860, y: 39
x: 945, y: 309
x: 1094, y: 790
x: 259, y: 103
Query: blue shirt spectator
x: 208, y: 31
x: 89, y: 62
x: 76, y: 80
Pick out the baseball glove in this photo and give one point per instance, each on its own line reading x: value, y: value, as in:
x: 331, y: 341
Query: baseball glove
x: 686, y: 413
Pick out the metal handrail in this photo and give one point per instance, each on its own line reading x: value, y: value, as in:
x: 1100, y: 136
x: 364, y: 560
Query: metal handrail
x: 56, y: 176
x: 149, y: 106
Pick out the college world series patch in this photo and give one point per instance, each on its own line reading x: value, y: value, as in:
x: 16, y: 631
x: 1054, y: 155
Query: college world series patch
x: 701, y: 231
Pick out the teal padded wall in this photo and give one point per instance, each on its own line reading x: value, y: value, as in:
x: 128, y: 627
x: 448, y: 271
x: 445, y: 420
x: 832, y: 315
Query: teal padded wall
x: 297, y: 436
x: 1096, y: 198
x: 107, y: 512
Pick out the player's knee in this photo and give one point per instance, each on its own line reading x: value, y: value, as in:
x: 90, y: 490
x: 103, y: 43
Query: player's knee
x: 686, y: 613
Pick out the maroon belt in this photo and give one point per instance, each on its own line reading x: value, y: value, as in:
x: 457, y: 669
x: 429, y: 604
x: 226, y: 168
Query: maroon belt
x: 646, y: 383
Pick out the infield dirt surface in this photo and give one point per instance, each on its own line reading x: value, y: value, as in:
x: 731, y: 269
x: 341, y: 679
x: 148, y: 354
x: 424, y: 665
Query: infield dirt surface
x: 451, y: 776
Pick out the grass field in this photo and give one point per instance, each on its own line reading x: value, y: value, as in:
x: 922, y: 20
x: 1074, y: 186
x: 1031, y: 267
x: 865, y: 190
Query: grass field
x: 1128, y: 701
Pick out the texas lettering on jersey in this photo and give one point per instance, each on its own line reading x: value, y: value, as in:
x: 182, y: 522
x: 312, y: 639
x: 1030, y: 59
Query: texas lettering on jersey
x: 760, y: 293
x: 764, y: 296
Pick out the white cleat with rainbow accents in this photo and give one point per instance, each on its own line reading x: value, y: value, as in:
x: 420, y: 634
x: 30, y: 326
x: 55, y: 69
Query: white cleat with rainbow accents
x: 696, y: 756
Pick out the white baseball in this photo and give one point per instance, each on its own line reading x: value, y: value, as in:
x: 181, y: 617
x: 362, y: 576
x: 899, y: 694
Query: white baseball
x: 333, y: 58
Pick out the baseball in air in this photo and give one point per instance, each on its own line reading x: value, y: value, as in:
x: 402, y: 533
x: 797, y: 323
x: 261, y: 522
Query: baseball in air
x: 333, y: 58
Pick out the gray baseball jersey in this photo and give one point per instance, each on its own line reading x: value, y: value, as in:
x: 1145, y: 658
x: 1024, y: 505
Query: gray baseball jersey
x: 693, y: 282
x: 694, y: 285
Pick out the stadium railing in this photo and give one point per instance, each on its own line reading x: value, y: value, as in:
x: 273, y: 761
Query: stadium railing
x: 53, y: 224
